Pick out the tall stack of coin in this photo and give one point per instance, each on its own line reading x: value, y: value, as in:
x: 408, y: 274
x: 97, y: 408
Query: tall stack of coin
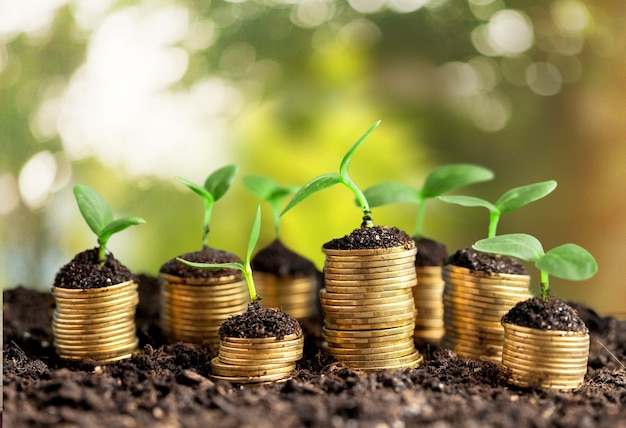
x: 95, y: 323
x: 192, y: 309
x: 474, y: 302
x: 257, y: 360
x: 551, y: 359
x: 369, y: 312
x: 296, y: 296
x: 429, y: 326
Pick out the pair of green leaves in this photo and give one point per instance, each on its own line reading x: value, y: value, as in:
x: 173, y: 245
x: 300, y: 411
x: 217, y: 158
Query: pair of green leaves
x: 567, y: 261
x: 269, y: 191
x: 244, y: 267
x: 439, y: 181
x: 509, y: 201
x: 343, y: 177
x: 215, y: 186
x: 99, y: 217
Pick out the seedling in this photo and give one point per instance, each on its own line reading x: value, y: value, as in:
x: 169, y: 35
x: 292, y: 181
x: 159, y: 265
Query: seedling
x: 441, y: 180
x: 215, y: 186
x: 509, y: 201
x: 326, y: 180
x: 244, y: 267
x: 99, y: 217
x: 269, y: 191
x: 567, y: 261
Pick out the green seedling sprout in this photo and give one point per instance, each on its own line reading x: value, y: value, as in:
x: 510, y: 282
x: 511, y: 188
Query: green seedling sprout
x: 99, y: 217
x: 326, y: 180
x: 244, y: 267
x: 509, y: 201
x: 215, y: 186
x: 268, y: 190
x: 440, y: 180
x: 567, y: 261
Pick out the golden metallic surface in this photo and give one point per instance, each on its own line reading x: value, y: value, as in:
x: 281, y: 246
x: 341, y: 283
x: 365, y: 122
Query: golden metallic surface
x: 409, y: 361
x: 378, y: 252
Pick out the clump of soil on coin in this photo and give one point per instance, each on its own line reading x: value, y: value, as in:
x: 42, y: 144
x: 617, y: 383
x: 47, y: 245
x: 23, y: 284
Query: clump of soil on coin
x: 365, y: 238
x: 259, y: 322
x: 206, y: 255
x: 430, y: 252
x: 545, y: 314
x: 85, y: 271
x: 281, y: 261
x: 488, y: 263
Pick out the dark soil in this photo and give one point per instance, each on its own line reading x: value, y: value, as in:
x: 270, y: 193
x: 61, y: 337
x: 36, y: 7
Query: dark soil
x: 430, y: 252
x: 169, y: 385
x: 206, y: 255
x: 365, y: 238
x: 85, y: 271
x: 545, y: 314
x: 259, y: 322
x: 279, y: 260
x: 488, y: 263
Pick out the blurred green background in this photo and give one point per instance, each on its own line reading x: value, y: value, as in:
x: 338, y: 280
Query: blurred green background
x: 126, y: 95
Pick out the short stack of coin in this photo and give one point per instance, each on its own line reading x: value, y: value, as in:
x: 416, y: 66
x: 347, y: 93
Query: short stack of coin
x: 257, y: 360
x: 551, y: 359
x: 474, y: 303
x: 429, y: 326
x: 369, y: 312
x: 95, y: 323
x: 192, y: 309
x: 297, y: 296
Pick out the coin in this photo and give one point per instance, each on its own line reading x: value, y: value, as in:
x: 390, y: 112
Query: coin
x: 412, y: 360
x: 327, y: 332
x: 370, y: 251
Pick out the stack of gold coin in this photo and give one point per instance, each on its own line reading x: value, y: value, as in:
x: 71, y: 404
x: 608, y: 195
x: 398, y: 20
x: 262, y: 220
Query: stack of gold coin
x: 296, y: 296
x: 257, y: 360
x: 429, y: 326
x: 551, y: 359
x: 474, y: 302
x: 192, y: 309
x: 369, y: 312
x: 95, y: 323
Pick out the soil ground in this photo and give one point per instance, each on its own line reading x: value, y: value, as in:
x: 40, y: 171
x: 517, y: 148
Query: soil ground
x: 169, y: 385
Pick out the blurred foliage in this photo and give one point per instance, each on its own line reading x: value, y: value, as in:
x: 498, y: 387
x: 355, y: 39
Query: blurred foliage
x: 283, y: 89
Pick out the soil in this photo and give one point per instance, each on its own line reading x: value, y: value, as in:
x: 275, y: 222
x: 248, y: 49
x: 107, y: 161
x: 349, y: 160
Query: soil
x: 86, y: 271
x: 545, y: 314
x: 488, y: 263
x: 281, y: 261
x: 259, y: 322
x: 365, y: 238
x: 430, y: 252
x: 206, y: 255
x: 169, y: 385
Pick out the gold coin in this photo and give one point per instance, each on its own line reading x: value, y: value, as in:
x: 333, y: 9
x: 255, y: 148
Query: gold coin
x: 368, y: 316
x: 278, y: 346
x: 564, y: 335
x: 245, y: 361
x: 331, y: 268
x: 342, y: 274
x: 366, y: 303
x: 370, y: 251
x: 190, y: 281
x: 429, y: 270
x: 63, y: 321
x: 95, y: 292
x: 380, y: 356
x: 556, y: 359
x: 219, y: 368
x: 253, y: 379
x: 403, y: 257
x: 93, y: 334
x: 556, y: 370
x: 261, y: 340
x: 260, y: 355
x: 372, y: 282
x: 465, y: 271
x: 86, y: 300
x: 372, y: 326
x: 203, y: 311
x: 369, y: 348
x: 368, y: 289
x: 123, y: 305
x: 412, y: 360
x: 400, y: 315
x: 366, y: 265
x: 352, y: 342
x: 101, y: 351
x: 94, y: 344
x: 78, y: 329
x: 328, y: 332
x: 404, y: 292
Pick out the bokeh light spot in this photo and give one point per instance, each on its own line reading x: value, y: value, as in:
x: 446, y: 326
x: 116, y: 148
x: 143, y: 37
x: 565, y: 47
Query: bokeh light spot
x: 544, y: 78
x: 9, y: 194
x: 510, y: 32
x: 37, y: 178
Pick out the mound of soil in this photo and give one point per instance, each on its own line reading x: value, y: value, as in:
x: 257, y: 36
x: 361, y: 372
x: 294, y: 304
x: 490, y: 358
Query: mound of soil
x: 545, y: 314
x: 259, y: 322
x: 86, y: 271
x: 279, y: 260
x: 488, y: 263
x: 206, y: 255
x: 169, y: 385
x: 365, y: 238
x: 430, y: 252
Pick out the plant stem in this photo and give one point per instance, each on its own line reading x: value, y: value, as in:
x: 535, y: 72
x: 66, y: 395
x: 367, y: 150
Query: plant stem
x: 102, y: 254
x: 360, y: 197
x: 276, y: 217
x: 247, y: 274
x: 205, y: 226
x: 545, y: 285
x: 419, y: 225
x: 493, y: 223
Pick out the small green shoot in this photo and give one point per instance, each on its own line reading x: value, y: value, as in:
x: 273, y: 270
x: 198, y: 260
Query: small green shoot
x: 268, y: 190
x: 567, y: 261
x: 99, y: 217
x: 440, y: 180
x: 244, y: 267
x: 215, y: 186
x: 326, y: 180
x: 509, y: 201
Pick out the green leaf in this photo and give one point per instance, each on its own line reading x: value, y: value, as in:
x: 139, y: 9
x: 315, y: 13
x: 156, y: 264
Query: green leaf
x: 254, y: 234
x: 568, y: 261
x: 520, y: 196
x: 468, y: 201
x: 220, y: 180
x: 319, y: 183
x: 450, y: 177
x: 262, y: 187
x: 390, y: 193
x: 201, y: 191
x: 281, y: 192
x: 345, y: 162
x: 212, y: 266
x: 519, y: 245
x: 117, y: 226
x: 94, y: 209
